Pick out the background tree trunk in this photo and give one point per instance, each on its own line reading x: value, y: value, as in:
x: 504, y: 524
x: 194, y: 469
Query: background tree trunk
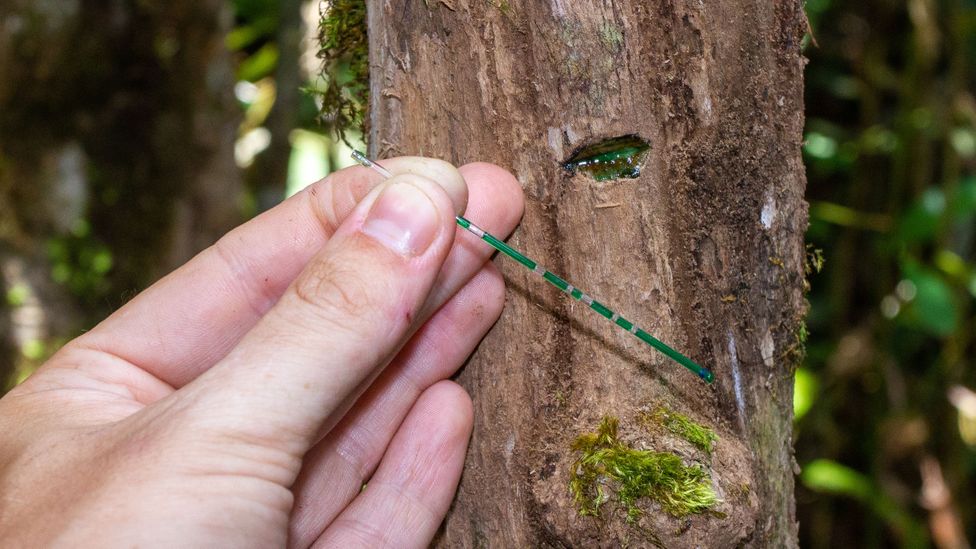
x: 269, y: 177
x: 117, y: 127
x: 704, y: 249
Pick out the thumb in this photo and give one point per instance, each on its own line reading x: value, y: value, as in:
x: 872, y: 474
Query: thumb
x: 343, y: 318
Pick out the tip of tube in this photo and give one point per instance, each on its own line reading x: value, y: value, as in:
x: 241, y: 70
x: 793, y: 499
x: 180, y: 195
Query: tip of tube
x: 707, y: 375
x: 361, y: 158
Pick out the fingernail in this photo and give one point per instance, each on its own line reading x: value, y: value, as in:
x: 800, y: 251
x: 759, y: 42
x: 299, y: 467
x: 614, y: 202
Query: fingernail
x: 403, y: 219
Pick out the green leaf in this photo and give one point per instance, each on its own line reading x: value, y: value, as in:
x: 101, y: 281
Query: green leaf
x: 101, y: 262
x: 828, y: 476
x: 964, y: 199
x: 820, y: 146
x: 259, y: 65
x: 922, y: 220
x: 33, y: 349
x: 824, y: 475
x: 934, y: 309
x: 18, y: 294
x: 804, y: 393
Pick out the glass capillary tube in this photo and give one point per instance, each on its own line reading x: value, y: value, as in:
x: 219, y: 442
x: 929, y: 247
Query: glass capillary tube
x: 573, y: 291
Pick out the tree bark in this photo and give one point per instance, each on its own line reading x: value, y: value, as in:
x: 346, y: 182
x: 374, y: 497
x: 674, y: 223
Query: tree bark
x: 704, y: 249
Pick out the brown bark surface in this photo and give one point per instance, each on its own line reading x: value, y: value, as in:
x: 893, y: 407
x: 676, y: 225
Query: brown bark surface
x: 704, y: 250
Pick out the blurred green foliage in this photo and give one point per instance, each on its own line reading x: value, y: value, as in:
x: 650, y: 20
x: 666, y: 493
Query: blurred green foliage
x: 80, y: 262
x: 830, y: 477
x: 254, y: 38
x: 334, y: 96
x: 254, y: 42
x: 890, y: 148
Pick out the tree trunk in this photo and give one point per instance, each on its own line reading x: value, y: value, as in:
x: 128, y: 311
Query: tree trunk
x: 117, y: 127
x: 268, y: 178
x: 704, y: 249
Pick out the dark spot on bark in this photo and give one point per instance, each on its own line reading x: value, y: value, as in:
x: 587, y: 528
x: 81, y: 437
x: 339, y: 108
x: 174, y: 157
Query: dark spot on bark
x: 689, y: 38
x: 679, y: 99
x: 548, y: 468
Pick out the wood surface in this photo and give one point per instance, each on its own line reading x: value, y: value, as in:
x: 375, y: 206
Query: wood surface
x: 705, y: 249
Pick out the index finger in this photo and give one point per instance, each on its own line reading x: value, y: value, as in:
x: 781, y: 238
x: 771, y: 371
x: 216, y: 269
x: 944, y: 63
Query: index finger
x: 192, y: 317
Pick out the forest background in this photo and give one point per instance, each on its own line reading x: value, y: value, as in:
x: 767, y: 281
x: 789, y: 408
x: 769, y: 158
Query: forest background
x: 133, y: 135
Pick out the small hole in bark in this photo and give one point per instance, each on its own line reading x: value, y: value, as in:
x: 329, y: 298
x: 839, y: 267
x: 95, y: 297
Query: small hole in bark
x: 614, y: 158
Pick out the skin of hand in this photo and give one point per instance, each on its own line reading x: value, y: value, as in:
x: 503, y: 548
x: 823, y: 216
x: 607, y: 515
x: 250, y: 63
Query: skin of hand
x: 245, y: 399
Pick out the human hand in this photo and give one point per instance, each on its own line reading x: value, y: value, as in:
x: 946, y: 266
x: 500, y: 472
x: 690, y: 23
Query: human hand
x: 246, y: 398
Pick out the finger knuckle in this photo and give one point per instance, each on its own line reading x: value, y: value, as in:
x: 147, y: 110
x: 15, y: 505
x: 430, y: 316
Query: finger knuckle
x: 333, y: 292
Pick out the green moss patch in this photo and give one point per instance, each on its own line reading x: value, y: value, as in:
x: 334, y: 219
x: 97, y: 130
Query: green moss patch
x: 344, y: 51
x: 683, y: 426
x: 608, y: 468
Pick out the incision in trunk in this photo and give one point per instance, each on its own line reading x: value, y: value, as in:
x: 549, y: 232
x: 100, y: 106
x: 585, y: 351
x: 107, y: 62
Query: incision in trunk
x: 615, y: 158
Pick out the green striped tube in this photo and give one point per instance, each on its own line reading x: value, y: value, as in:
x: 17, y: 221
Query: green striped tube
x: 579, y: 295
x: 573, y: 291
